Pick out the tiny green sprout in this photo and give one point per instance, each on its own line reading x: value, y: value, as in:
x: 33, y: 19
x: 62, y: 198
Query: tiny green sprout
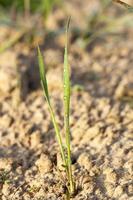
x: 66, y: 76
x: 66, y: 157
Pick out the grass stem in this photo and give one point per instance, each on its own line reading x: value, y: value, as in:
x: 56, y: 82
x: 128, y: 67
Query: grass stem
x: 67, y: 109
x: 66, y: 158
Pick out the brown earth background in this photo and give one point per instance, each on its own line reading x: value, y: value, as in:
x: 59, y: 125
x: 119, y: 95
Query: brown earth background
x: 101, y: 60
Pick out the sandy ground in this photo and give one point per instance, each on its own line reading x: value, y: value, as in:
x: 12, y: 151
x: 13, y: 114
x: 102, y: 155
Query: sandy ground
x: 101, y: 121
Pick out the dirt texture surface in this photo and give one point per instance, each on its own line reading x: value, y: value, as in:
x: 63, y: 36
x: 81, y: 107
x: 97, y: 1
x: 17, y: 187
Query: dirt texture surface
x: 101, y: 118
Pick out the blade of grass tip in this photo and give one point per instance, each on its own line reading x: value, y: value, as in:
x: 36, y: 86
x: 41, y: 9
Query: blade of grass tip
x: 43, y: 76
x: 46, y: 94
x: 66, y: 76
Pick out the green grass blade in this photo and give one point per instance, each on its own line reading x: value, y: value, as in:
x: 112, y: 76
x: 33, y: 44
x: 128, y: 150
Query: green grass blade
x: 46, y: 94
x: 66, y: 76
x: 42, y: 71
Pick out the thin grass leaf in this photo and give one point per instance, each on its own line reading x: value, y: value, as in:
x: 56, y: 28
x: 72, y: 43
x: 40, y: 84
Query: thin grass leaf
x: 42, y: 71
x: 66, y: 76
x: 46, y: 94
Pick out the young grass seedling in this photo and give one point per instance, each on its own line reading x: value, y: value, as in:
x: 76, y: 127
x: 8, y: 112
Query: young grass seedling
x: 66, y: 158
x: 67, y: 109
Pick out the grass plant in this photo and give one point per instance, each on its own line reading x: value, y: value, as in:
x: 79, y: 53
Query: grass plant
x: 65, y: 153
